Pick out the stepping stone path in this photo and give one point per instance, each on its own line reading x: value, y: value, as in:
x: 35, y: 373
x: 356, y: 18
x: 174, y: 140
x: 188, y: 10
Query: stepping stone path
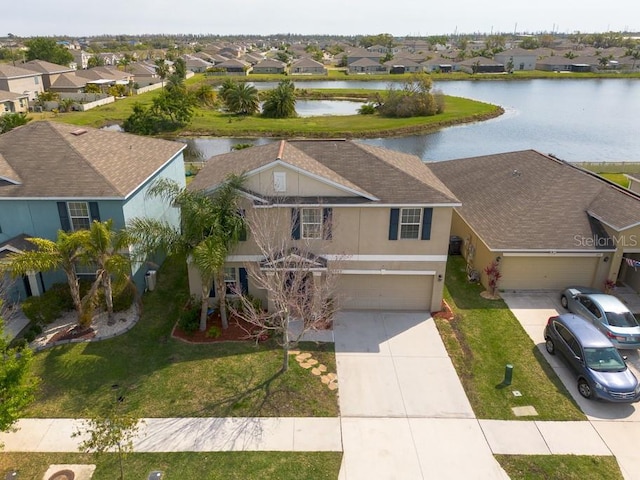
x: 306, y: 361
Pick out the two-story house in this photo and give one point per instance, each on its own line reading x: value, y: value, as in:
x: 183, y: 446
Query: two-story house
x: 20, y: 80
x: 379, y: 218
x: 55, y: 176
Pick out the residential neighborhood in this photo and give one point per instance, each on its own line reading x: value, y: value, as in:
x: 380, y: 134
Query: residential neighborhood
x: 177, y: 302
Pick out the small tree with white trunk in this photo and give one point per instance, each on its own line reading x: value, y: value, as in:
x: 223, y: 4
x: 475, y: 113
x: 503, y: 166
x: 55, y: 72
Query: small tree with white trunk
x: 301, y: 285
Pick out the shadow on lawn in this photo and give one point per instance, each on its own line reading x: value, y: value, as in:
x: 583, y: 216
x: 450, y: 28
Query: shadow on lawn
x: 465, y: 294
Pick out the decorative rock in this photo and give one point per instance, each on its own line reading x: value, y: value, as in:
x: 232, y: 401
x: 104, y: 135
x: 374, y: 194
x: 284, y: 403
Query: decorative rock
x: 294, y: 352
x: 306, y: 365
x: 303, y: 356
x: 332, y: 376
x: 332, y: 386
x: 312, y: 361
x: 316, y: 371
x: 325, y: 379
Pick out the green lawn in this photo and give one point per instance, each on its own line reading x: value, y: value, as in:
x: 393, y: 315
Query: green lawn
x: 560, y: 467
x: 162, y: 377
x: 483, y: 337
x: 185, y: 466
x: 618, y: 178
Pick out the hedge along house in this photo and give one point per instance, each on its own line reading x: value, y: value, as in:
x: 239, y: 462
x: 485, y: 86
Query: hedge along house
x: 549, y: 224
x: 61, y: 177
x: 378, y: 217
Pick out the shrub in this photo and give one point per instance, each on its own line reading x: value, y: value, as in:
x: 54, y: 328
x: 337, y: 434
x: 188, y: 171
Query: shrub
x: 48, y: 307
x: 214, y: 332
x: 367, y: 109
x: 29, y: 336
x: 189, y: 320
x: 123, y: 296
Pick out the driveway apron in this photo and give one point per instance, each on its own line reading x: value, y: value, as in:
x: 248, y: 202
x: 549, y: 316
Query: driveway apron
x: 404, y: 412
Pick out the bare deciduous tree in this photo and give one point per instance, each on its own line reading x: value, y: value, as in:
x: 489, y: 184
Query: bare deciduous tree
x: 301, y: 285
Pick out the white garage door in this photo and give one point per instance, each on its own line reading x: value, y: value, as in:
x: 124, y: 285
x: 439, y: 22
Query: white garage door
x: 386, y: 292
x: 532, y: 273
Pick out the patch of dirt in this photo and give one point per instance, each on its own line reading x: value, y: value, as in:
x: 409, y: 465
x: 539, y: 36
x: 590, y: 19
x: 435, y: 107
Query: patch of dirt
x: 445, y: 312
x: 238, y: 331
x: 74, y: 333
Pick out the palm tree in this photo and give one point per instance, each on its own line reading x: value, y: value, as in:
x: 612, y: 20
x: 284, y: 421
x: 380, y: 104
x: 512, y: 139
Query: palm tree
x: 162, y: 69
x: 63, y: 254
x: 242, y: 99
x: 103, y: 249
x: 210, y: 226
x: 281, y: 101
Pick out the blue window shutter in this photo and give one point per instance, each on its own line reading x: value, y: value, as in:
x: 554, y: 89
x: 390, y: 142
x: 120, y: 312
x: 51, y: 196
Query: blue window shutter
x: 94, y: 211
x: 244, y: 280
x: 427, y: 215
x: 327, y: 220
x: 65, y: 224
x: 295, y: 223
x: 394, y: 220
x: 212, y: 292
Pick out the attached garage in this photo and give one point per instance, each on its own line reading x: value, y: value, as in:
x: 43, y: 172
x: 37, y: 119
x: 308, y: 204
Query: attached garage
x: 549, y: 272
x: 385, y: 292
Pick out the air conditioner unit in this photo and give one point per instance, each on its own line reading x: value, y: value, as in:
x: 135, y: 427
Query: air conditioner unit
x: 150, y: 279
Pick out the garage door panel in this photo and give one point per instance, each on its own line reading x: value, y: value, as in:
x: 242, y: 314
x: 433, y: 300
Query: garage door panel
x: 538, y: 273
x: 387, y: 292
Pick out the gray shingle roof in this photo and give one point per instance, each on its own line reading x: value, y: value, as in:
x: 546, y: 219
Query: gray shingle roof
x: 9, y: 71
x: 46, y: 67
x: 376, y: 173
x: 528, y: 201
x: 52, y: 162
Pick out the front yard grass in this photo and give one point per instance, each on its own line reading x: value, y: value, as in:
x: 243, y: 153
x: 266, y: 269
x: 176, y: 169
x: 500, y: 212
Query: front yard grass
x: 482, y: 339
x: 185, y: 465
x: 560, y: 467
x: 159, y: 376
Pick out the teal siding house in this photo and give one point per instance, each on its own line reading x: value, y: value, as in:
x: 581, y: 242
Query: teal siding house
x: 55, y: 176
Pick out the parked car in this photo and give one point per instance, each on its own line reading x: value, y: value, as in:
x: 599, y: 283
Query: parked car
x: 601, y: 370
x: 606, y: 312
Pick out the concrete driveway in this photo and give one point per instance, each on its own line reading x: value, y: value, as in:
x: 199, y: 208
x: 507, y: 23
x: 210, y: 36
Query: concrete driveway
x: 404, y: 412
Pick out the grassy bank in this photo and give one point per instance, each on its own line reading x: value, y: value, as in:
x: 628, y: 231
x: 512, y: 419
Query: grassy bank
x: 159, y: 376
x: 482, y: 338
x: 185, y: 465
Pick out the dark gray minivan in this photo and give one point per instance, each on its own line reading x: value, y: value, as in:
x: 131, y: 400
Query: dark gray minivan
x: 602, y: 372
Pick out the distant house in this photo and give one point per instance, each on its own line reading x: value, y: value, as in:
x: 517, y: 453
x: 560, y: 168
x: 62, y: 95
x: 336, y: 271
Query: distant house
x: 440, y: 65
x: 50, y: 71
x: 69, y: 83
x: 106, y: 76
x: 307, y: 66
x: 69, y: 176
x: 366, y: 65
x: 234, y: 67
x: 20, y: 80
x: 479, y: 65
x: 409, y: 66
x: 109, y: 59
x: 520, y: 58
x: 144, y: 74
x: 13, y: 102
x: 81, y: 58
x: 355, y: 54
x: 196, y: 64
x: 269, y: 66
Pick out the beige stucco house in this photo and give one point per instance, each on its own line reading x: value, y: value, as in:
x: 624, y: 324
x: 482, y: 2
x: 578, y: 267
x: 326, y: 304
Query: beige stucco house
x: 20, y: 80
x: 548, y: 223
x: 378, y: 218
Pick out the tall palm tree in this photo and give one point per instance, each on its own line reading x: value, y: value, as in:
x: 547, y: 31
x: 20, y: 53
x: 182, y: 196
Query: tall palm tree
x: 210, y: 226
x: 63, y: 254
x: 281, y: 101
x: 162, y: 69
x: 242, y: 99
x: 103, y: 248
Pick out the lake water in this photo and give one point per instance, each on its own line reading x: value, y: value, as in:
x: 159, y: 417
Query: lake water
x: 576, y: 120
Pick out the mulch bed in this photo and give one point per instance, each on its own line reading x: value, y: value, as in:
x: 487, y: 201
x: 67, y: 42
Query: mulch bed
x: 445, y: 313
x: 74, y: 333
x: 237, y: 331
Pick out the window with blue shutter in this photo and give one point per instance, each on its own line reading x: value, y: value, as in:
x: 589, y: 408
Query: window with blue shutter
x: 244, y: 280
x: 94, y: 211
x: 295, y: 223
x: 427, y: 215
x: 327, y: 220
x: 65, y: 224
x: 394, y: 219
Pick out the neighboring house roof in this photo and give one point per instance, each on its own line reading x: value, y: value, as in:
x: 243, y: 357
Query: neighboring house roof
x: 306, y: 63
x: 516, y: 52
x: 478, y: 61
x: 55, y: 160
x: 16, y: 244
x: 69, y: 80
x: 104, y: 73
x: 11, y: 96
x: 405, y: 62
x: 233, y: 63
x: 365, y: 62
x: 9, y: 71
x: 141, y: 69
x: 529, y: 201
x: 377, y: 174
x: 270, y: 63
x: 41, y: 66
